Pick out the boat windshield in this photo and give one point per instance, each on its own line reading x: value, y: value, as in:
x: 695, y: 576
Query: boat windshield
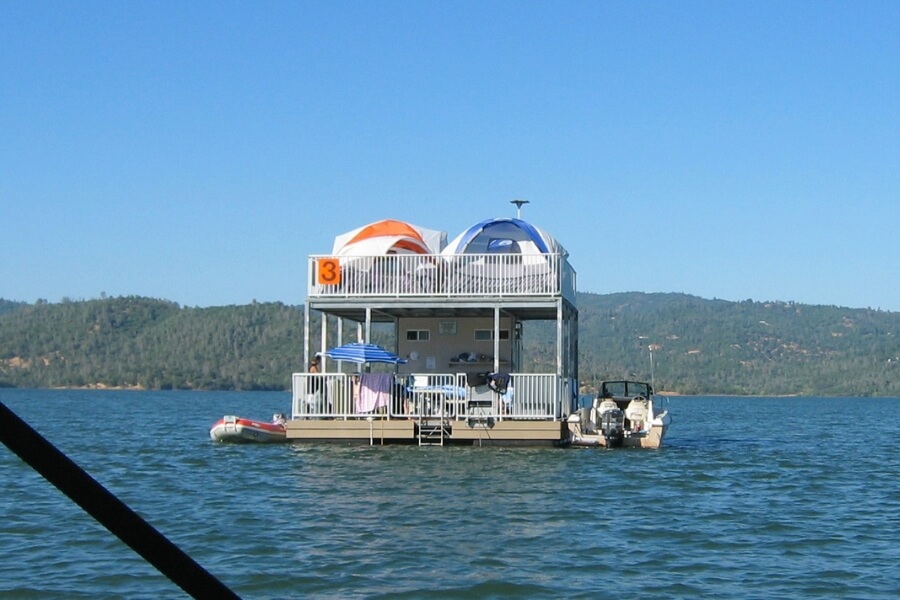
x: 625, y: 389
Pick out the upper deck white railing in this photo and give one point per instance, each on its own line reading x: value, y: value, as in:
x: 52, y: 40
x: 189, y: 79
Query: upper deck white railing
x: 412, y: 275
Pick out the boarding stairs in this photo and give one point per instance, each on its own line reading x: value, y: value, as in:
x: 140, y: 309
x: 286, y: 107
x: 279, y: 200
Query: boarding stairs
x: 432, y: 431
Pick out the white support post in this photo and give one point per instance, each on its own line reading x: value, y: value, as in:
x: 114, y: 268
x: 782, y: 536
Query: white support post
x: 496, y: 338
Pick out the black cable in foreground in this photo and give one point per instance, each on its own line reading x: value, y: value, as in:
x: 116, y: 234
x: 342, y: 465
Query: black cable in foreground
x: 107, y: 509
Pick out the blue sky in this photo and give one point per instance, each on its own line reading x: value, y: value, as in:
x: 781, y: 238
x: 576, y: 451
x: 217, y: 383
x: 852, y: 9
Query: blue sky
x: 199, y: 152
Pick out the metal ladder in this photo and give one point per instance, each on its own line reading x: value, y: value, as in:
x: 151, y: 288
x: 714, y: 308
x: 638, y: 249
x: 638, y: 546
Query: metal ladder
x: 431, y: 434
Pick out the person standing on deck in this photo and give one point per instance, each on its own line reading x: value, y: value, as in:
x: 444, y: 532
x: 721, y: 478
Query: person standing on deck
x: 314, y: 402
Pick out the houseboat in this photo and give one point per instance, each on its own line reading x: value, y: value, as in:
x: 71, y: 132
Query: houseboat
x: 456, y: 315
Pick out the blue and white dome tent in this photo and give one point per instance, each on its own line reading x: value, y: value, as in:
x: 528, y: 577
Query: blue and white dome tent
x: 505, y: 255
x: 504, y: 236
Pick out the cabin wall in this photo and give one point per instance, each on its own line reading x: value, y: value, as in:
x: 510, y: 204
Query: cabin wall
x: 447, y: 339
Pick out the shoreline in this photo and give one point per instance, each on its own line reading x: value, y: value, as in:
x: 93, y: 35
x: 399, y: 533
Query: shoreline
x: 669, y: 394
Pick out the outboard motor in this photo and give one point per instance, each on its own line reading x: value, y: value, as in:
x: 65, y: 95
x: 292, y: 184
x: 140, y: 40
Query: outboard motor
x: 612, y: 426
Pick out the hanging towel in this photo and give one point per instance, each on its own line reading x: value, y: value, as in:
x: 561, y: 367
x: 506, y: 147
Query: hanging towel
x: 374, y: 391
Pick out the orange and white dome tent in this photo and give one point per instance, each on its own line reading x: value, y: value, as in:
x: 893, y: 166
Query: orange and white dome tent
x: 389, y: 236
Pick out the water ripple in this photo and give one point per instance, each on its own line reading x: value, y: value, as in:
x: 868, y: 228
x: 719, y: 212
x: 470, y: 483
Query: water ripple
x: 774, y: 502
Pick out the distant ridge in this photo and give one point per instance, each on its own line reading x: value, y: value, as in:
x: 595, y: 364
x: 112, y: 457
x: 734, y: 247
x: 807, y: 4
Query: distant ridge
x: 699, y: 346
x: 9, y: 305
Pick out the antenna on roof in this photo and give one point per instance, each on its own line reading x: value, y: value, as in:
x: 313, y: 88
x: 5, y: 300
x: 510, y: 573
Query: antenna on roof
x: 518, y: 204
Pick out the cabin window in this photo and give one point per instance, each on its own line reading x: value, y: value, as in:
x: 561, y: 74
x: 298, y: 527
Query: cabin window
x: 418, y: 335
x: 487, y: 335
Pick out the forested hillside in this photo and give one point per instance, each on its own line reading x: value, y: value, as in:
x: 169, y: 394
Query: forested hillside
x: 7, y: 305
x: 699, y: 346
x: 768, y: 348
x: 142, y: 342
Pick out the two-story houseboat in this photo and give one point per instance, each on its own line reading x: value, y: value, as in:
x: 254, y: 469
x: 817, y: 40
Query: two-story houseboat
x: 458, y: 312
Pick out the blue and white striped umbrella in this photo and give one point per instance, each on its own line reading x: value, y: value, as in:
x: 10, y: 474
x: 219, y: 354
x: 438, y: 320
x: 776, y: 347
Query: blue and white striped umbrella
x: 364, y: 353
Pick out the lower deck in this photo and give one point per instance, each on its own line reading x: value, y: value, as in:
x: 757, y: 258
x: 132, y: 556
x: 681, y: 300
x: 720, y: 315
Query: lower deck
x: 450, y: 408
x: 476, y: 432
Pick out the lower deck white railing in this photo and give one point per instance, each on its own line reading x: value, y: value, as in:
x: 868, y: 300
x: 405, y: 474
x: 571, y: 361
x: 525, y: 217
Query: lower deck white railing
x: 452, y: 396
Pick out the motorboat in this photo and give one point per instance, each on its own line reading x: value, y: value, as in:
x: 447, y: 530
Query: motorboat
x: 231, y: 428
x: 625, y: 414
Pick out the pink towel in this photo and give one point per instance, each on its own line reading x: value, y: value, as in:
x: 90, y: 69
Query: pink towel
x: 374, y: 391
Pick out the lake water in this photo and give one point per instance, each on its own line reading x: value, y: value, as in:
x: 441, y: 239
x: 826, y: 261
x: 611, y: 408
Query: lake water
x: 750, y: 498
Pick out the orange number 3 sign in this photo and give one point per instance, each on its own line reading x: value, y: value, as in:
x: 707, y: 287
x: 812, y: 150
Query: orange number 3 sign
x: 329, y: 271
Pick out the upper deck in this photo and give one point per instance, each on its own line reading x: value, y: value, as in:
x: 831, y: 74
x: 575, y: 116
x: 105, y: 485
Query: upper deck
x: 433, y: 282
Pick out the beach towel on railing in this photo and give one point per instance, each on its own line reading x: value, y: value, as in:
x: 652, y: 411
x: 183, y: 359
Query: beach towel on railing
x: 374, y: 391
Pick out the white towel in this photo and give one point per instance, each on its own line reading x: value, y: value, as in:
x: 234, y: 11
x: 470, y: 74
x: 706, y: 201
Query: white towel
x: 374, y: 391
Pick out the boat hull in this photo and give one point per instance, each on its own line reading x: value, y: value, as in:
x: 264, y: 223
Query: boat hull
x: 650, y: 439
x: 240, y: 430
